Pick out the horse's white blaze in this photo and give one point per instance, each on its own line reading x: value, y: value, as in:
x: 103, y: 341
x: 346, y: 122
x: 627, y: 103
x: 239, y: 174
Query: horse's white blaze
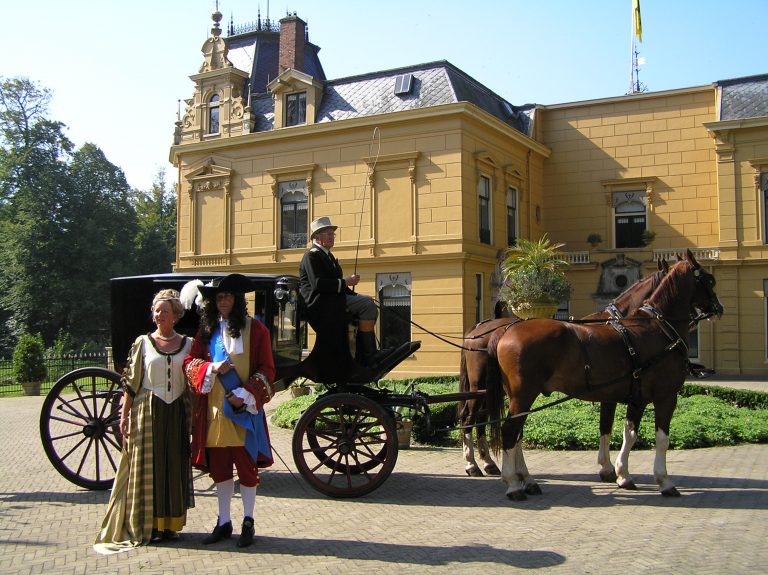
x: 622, y: 460
x: 660, y: 461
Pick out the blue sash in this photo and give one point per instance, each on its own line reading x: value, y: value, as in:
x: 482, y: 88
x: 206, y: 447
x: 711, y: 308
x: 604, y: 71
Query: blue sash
x: 256, y: 442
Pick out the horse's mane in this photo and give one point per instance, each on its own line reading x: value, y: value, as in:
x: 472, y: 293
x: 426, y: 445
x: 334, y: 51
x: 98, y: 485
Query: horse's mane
x: 654, y: 280
x: 672, y: 284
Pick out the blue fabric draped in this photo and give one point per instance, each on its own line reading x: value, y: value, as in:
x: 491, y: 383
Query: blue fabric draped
x: 256, y: 441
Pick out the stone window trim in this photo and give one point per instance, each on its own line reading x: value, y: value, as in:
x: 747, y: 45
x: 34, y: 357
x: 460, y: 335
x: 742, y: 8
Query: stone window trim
x: 210, y: 177
x: 409, y: 158
x: 645, y: 185
x: 501, y: 177
x: 760, y: 168
x: 287, y: 174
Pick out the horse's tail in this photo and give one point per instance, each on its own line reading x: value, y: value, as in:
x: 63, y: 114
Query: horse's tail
x: 461, y: 406
x: 494, y: 392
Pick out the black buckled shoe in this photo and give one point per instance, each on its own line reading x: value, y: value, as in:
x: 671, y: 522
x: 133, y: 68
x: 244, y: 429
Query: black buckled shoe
x: 219, y: 532
x: 246, y: 535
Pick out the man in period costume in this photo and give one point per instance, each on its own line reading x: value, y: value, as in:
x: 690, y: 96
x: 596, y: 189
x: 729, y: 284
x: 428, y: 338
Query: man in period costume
x: 231, y: 368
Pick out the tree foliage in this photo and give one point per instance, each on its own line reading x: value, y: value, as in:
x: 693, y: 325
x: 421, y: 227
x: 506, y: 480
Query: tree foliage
x: 156, y: 238
x: 68, y: 223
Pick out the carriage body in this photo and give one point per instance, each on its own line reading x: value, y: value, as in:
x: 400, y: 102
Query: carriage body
x: 276, y: 302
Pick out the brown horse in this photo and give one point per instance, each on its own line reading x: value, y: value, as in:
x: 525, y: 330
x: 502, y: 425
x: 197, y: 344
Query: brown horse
x: 472, y: 371
x: 640, y: 360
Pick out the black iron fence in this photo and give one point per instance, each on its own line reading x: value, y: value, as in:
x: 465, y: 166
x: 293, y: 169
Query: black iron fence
x: 57, y: 366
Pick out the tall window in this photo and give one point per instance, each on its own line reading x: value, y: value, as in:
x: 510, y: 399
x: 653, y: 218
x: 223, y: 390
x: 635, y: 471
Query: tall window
x: 630, y: 218
x: 213, y: 114
x: 511, y: 216
x: 394, y: 291
x: 479, y: 298
x: 296, y: 109
x: 765, y: 300
x: 484, y: 194
x: 293, y: 214
x: 764, y: 188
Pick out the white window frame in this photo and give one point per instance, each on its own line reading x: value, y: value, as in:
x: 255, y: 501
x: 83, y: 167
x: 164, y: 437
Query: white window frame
x: 289, y: 187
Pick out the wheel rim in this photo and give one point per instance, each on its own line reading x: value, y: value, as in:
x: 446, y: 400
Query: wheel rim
x: 345, y: 445
x: 80, y: 427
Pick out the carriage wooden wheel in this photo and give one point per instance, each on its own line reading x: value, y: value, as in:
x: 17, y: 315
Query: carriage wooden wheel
x: 80, y: 426
x: 345, y: 445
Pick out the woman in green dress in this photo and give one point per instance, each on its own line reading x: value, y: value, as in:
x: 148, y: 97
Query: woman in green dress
x: 153, y: 484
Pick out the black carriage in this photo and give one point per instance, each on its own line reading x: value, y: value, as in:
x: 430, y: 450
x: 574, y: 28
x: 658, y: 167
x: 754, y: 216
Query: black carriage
x: 345, y: 444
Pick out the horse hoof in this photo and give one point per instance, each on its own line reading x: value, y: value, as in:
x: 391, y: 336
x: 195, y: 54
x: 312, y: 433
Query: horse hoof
x: 517, y: 495
x: 608, y: 476
x: 533, y: 489
x: 492, y: 469
x: 671, y: 492
x: 629, y: 485
x: 474, y: 471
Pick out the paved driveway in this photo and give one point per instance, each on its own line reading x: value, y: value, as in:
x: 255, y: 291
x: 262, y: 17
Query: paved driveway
x: 427, y: 518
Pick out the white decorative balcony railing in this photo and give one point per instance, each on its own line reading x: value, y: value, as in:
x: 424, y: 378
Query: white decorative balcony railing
x: 670, y: 254
x: 577, y: 257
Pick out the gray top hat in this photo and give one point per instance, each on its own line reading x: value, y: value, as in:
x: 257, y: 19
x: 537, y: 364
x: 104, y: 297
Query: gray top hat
x: 321, y: 224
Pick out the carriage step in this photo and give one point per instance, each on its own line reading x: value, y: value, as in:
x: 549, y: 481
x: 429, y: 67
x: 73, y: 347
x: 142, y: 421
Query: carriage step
x: 391, y: 360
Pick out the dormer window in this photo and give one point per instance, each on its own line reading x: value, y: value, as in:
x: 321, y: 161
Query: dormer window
x: 213, y: 114
x: 296, y: 109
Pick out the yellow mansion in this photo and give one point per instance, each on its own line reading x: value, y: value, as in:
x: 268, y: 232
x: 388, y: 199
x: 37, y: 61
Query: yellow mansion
x: 430, y: 176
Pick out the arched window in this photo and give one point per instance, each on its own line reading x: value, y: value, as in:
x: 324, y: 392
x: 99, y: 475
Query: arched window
x: 630, y: 215
x: 213, y: 114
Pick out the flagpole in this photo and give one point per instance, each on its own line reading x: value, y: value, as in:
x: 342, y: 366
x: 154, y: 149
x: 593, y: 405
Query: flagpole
x: 632, y: 49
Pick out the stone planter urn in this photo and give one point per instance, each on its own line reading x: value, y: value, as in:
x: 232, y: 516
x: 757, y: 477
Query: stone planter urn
x: 31, y: 387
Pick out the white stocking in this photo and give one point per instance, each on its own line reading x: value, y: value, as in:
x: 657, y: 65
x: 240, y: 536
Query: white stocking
x: 224, y: 492
x: 249, y: 499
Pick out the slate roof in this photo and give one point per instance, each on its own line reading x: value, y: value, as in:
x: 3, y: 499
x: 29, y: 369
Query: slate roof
x: 257, y: 53
x: 434, y: 84
x: 744, y: 97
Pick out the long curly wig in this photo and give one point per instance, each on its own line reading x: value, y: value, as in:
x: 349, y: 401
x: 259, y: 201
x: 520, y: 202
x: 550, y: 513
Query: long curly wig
x: 209, y: 317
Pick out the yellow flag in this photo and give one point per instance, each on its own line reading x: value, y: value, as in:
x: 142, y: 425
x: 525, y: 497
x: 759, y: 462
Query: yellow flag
x: 636, y: 18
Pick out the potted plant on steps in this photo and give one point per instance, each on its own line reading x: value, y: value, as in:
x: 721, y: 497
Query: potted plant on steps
x: 299, y: 387
x: 534, y: 278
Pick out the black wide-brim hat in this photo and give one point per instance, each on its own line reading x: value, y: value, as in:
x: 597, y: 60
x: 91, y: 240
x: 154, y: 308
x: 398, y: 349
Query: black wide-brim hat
x: 232, y: 283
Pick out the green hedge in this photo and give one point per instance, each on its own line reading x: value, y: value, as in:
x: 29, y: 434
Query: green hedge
x: 706, y: 416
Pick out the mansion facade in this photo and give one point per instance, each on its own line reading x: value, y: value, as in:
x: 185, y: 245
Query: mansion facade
x: 430, y: 176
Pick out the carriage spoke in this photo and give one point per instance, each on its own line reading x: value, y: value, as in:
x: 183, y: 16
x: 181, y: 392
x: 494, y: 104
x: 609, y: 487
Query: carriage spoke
x: 353, y: 441
x: 79, y: 426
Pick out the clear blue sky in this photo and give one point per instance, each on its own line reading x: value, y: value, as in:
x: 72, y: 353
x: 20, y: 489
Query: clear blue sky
x: 118, y: 68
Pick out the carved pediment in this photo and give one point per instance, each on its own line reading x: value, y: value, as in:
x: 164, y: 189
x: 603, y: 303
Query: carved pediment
x: 209, y: 177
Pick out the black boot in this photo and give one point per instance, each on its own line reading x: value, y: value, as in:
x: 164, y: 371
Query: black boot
x: 219, y: 532
x: 368, y: 344
x: 246, y: 535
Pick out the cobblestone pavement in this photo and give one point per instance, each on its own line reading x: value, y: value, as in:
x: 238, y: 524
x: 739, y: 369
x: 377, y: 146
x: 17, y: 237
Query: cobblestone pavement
x: 429, y: 517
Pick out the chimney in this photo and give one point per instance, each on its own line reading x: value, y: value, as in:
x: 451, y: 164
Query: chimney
x: 292, y: 41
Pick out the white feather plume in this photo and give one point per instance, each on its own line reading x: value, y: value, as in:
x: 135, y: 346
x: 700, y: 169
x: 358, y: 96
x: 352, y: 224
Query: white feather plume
x: 191, y: 295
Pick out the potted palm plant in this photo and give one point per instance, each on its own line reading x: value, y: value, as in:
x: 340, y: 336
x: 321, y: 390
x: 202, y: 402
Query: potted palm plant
x: 534, y: 278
